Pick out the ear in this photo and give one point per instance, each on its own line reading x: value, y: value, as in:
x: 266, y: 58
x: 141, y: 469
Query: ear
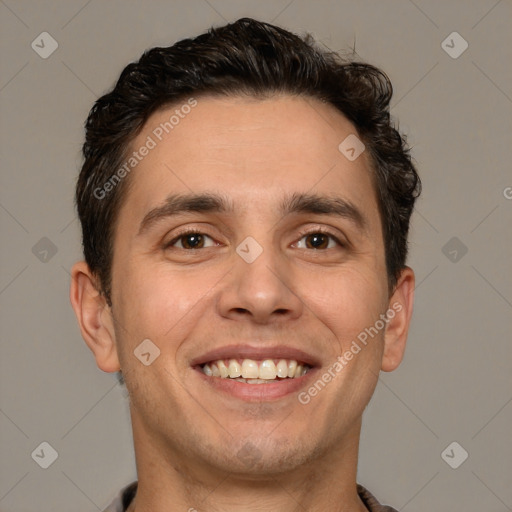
x: 94, y: 317
x: 399, y: 314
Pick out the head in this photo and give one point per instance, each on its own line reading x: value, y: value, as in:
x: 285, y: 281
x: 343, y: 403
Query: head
x: 239, y: 133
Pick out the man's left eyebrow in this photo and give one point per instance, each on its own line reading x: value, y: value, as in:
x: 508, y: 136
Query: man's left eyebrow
x: 324, y: 205
x: 176, y: 204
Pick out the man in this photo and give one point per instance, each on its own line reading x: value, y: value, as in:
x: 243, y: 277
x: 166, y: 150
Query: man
x: 245, y: 204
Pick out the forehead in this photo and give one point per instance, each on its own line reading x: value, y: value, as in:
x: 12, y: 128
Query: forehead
x: 253, y: 150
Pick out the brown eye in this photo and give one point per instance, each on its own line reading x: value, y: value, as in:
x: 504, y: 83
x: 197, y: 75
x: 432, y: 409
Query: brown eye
x: 191, y: 240
x: 318, y: 240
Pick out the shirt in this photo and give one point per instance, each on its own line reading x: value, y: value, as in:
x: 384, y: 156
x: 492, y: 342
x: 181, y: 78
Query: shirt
x: 125, y: 497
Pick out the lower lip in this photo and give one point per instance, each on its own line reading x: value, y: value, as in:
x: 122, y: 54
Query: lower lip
x: 258, y: 392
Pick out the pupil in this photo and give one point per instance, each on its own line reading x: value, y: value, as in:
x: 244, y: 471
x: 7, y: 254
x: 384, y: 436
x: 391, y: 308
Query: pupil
x: 317, y: 240
x: 193, y: 240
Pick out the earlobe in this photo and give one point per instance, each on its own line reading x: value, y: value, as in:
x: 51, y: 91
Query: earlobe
x: 399, y: 314
x: 94, y: 317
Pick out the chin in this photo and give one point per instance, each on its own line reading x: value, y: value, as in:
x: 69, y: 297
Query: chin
x: 256, y: 457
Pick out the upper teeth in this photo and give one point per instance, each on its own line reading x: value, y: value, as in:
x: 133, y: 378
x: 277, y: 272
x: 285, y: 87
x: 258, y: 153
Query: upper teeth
x: 266, y: 369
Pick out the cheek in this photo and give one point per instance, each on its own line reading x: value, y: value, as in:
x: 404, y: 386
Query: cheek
x: 160, y: 304
x: 347, y: 302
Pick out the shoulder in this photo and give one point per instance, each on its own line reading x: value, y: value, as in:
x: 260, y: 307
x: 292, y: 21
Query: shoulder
x: 371, y: 502
x: 123, y: 499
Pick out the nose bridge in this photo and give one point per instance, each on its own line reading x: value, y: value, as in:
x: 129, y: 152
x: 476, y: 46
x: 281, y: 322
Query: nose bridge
x: 260, y: 283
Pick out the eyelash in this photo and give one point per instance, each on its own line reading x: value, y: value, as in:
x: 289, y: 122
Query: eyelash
x: 302, y: 234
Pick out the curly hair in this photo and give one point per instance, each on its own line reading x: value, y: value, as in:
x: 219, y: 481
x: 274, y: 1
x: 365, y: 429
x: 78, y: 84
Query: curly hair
x: 257, y: 59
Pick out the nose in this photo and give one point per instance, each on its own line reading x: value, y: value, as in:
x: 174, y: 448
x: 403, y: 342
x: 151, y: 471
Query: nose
x: 261, y: 291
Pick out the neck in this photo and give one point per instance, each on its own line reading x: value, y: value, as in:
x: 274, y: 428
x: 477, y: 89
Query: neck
x: 170, y: 480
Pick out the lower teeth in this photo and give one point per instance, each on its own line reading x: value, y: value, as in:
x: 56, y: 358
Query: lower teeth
x: 255, y: 381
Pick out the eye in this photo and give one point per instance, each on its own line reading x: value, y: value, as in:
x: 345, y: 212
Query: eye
x: 318, y: 239
x: 190, y: 240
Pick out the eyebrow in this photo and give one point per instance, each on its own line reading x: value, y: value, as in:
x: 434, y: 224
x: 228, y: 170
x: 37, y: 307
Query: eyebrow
x: 176, y: 204
x: 324, y: 205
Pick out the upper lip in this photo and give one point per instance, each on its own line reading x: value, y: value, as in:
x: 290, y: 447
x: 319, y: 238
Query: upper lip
x: 259, y: 352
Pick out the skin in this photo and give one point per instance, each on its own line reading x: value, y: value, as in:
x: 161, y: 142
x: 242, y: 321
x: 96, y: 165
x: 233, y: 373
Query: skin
x: 187, y: 435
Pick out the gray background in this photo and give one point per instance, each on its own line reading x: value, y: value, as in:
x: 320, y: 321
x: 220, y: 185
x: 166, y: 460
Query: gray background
x: 455, y: 383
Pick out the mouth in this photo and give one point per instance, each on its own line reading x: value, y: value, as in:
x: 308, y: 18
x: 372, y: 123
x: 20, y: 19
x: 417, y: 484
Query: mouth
x: 253, y: 374
x: 252, y: 371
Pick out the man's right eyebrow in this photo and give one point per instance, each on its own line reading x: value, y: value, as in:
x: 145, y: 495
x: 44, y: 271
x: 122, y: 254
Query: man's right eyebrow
x: 175, y: 204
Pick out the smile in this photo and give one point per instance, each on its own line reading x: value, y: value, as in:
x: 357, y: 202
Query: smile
x: 253, y: 371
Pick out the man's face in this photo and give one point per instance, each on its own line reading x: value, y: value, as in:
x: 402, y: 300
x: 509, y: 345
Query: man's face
x: 319, y: 281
